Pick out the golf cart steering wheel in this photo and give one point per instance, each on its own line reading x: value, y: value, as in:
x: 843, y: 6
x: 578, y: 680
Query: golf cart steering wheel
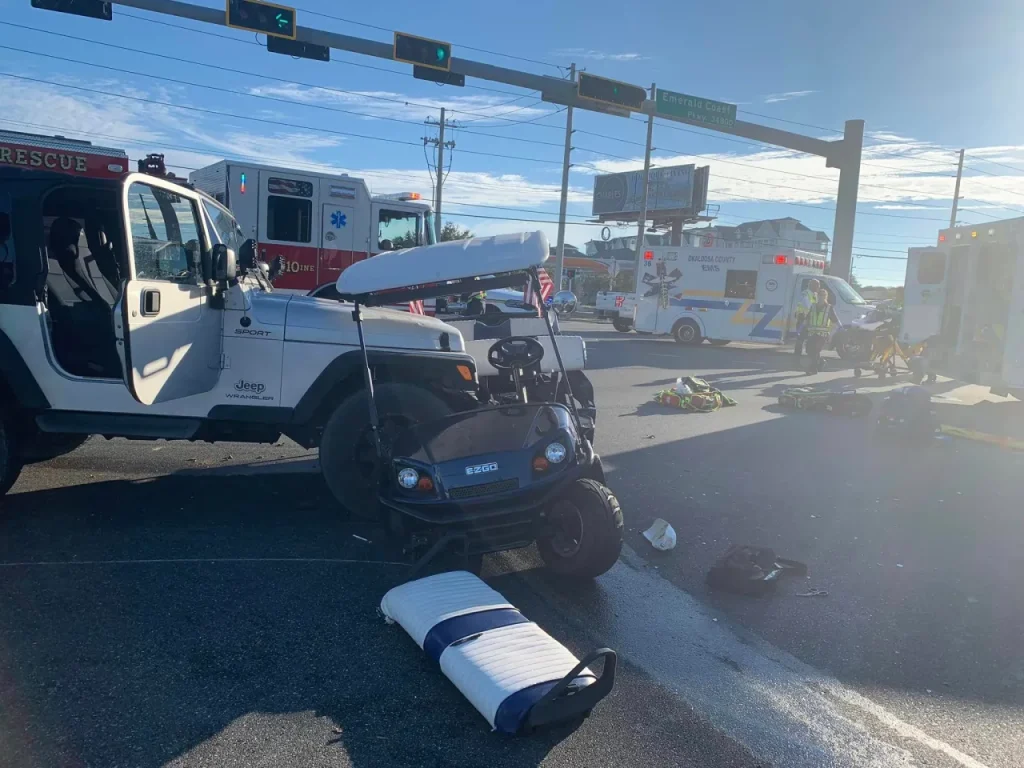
x: 515, y: 352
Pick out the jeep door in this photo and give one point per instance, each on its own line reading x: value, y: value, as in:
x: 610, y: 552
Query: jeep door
x: 168, y: 335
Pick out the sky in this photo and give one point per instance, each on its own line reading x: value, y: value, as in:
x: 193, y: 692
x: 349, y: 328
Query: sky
x: 929, y: 77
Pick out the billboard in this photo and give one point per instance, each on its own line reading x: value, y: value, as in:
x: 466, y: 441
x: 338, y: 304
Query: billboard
x: 679, y: 188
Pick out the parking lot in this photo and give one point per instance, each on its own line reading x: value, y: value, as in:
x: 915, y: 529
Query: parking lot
x: 179, y: 604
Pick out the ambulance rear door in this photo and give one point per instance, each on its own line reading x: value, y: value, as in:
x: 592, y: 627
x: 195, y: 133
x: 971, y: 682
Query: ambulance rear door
x: 924, y: 294
x: 1013, y: 353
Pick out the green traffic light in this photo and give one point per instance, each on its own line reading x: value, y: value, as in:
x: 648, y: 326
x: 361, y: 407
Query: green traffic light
x: 282, y: 22
x: 441, y: 53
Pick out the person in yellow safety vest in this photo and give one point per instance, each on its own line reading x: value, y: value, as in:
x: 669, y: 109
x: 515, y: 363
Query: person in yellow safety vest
x: 475, y: 303
x: 803, y: 308
x: 817, y: 326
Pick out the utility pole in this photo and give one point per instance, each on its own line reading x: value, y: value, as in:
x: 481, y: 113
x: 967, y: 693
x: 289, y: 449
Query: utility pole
x: 956, y: 191
x: 846, y: 198
x: 441, y: 144
x: 642, y: 223
x: 560, y: 258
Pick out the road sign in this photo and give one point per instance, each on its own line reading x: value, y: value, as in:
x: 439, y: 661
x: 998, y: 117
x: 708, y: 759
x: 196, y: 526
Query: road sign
x: 422, y: 51
x: 612, y: 92
x: 696, y: 108
x: 268, y: 18
x: 298, y: 48
x: 92, y: 9
x: 438, y: 76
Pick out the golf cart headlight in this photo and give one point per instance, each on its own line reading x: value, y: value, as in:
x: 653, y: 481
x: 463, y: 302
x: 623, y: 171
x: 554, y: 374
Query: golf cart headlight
x: 407, y: 478
x: 555, y: 453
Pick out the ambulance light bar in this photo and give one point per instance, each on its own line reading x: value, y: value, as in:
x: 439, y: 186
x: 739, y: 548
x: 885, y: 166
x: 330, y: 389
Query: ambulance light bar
x: 402, y: 197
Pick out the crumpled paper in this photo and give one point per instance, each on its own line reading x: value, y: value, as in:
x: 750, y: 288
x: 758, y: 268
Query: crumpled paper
x: 661, y: 535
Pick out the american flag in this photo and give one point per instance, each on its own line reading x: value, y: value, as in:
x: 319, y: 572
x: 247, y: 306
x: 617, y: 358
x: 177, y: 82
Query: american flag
x: 546, y: 287
x: 416, y: 307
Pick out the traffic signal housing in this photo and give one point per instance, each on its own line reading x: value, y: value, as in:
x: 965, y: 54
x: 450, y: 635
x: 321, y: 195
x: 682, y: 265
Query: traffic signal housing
x: 422, y: 51
x: 612, y: 92
x: 268, y: 18
x: 91, y: 9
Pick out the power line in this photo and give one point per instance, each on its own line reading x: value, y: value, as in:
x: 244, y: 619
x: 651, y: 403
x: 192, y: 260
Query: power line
x: 993, y: 162
x: 181, y: 60
x: 466, y: 47
x: 343, y: 62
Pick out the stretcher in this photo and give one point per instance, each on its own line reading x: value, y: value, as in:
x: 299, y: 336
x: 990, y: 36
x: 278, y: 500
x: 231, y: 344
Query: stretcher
x: 513, y: 672
x: 847, y: 402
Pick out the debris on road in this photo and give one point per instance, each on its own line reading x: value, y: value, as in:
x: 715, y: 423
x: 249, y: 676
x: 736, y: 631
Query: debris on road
x: 357, y: 536
x: 662, y: 535
x: 813, y: 593
x: 694, y: 394
x: 847, y: 402
x: 755, y: 571
x: 1002, y: 441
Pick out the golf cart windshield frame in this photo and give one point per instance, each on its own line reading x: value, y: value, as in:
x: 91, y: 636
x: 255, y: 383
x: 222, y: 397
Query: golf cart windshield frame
x: 503, y: 280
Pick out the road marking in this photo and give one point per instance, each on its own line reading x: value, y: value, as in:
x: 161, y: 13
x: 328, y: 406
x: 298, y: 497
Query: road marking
x: 192, y: 560
x: 786, y: 712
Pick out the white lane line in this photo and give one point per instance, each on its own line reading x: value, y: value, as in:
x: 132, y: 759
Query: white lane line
x: 786, y: 712
x: 191, y: 560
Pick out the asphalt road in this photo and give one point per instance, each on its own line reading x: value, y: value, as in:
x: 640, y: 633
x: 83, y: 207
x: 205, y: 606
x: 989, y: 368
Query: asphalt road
x: 176, y: 604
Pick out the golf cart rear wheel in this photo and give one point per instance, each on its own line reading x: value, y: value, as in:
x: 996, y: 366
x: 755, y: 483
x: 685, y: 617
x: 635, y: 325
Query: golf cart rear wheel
x: 622, y: 326
x: 347, y: 455
x: 585, y: 531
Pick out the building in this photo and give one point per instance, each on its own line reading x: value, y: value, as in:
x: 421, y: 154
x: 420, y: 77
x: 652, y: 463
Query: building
x: 784, y: 233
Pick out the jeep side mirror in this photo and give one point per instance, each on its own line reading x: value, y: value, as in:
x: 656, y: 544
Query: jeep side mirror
x: 225, y: 264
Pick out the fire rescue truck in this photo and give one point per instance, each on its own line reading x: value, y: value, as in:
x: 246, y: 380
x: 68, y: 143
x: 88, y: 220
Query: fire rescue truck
x: 319, y: 223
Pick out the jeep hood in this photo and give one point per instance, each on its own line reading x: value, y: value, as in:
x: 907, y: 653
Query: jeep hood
x: 327, y: 321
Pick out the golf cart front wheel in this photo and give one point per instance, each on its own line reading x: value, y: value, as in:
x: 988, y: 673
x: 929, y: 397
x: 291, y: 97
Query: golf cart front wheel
x: 584, y: 535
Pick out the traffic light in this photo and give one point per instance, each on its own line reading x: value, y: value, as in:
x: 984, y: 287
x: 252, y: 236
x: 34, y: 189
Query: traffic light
x: 92, y: 9
x: 272, y: 20
x: 611, y: 92
x: 422, y: 51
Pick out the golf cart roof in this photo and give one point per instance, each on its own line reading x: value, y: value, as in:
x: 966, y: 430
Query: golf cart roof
x: 445, y: 263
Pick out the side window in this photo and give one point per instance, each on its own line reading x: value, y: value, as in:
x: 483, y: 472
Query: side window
x: 7, y: 270
x: 740, y: 283
x: 289, y: 219
x: 399, y: 227
x: 165, y: 234
x: 931, y: 268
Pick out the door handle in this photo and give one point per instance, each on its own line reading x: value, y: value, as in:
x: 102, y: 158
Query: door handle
x: 150, y: 302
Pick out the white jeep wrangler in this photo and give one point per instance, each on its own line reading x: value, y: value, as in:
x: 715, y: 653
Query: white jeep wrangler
x: 123, y: 314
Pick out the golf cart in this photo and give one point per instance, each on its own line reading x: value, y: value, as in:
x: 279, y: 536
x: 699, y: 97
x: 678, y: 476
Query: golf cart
x: 502, y: 474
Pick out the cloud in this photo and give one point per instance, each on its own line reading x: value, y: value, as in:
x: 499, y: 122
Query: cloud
x: 390, y: 104
x: 773, y: 98
x: 891, y: 207
x: 588, y: 53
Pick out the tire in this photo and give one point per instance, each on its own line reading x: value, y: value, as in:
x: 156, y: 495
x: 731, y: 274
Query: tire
x: 847, y: 350
x: 346, y: 448
x: 916, y: 377
x: 718, y: 342
x: 622, y: 326
x: 856, y: 372
x: 593, y: 541
x: 10, y: 463
x: 43, y: 446
x: 687, y: 332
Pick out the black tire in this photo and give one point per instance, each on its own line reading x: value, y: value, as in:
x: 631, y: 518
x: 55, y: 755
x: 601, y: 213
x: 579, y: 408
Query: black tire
x: 718, y: 342
x: 346, y: 448
x: 687, y: 332
x: 622, y: 326
x: 856, y: 372
x: 590, y: 542
x: 43, y: 446
x: 10, y: 463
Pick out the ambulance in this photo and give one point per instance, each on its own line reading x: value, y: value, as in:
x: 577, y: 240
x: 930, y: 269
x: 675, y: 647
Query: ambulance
x: 965, y: 297
x: 319, y: 223
x: 731, y: 294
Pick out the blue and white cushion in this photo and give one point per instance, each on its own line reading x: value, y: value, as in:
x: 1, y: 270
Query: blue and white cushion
x: 500, y: 660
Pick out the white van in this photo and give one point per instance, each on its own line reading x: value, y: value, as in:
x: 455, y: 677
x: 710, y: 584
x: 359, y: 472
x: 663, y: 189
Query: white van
x: 732, y: 294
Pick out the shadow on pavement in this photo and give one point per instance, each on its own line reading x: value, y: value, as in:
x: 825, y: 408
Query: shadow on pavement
x: 917, y: 544
x: 162, y: 621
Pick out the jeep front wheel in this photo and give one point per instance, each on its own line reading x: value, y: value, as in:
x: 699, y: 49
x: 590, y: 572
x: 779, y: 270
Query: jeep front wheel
x: 348, y: 458
x: 10, y: 464
x: 584, y: 531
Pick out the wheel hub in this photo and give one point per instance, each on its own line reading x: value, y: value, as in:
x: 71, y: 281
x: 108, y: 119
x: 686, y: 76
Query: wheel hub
x: 567, y: 529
